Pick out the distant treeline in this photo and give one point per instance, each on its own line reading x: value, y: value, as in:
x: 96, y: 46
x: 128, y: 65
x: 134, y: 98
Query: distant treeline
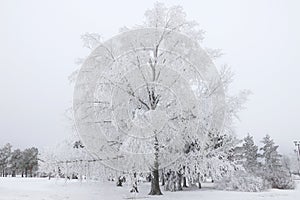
x: 17, y: 162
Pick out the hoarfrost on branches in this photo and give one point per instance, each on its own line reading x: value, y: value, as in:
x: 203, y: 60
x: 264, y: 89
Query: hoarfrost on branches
x: 151, y: 84
x: 151, y: 98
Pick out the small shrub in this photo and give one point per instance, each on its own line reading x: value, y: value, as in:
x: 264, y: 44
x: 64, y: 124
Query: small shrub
x: 282, y: 181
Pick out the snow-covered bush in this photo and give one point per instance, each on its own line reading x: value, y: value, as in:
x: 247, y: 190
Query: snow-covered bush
x: 241, y: 181
x: 281, y: 181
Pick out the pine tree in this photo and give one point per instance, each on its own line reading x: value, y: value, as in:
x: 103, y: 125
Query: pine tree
x: 250, y: 155
x: 15, y: 162
x: 5, y: 154
x: 29, y: 161
x: 271, y: 156
x: 274, y: 172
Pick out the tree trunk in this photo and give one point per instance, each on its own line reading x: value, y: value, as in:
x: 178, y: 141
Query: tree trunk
x: 184, y: 178
x: 179, y: 186
x: 199, y: 182
x: 184, y: 182
x: 199, y: 185
x: 155, y: 189
x: 163, y: 178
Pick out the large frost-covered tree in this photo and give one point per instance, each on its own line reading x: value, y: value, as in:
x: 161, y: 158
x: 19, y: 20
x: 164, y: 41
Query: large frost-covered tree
x: 147, y: 95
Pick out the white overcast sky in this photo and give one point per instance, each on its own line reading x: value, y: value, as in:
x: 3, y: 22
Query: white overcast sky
x: 40, y: 41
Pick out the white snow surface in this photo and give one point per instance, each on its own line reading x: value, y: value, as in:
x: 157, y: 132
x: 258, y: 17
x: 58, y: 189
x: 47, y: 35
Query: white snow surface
x: 59, y: 189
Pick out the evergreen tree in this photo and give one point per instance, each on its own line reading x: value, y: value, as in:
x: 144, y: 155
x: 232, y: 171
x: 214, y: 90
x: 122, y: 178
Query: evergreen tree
x: 15, y: 162
x: 274, y: 172
x: 270, y: 155
x: 250, y: 155
x: 5, y: 154
x: 29, y: 161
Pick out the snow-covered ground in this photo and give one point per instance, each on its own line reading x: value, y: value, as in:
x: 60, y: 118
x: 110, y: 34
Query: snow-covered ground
x: 43, y: 189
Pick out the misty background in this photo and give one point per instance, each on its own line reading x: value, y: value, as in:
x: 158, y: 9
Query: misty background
x: 40, y: 42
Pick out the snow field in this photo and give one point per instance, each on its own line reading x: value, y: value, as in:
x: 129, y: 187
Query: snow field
x: 59, y: 189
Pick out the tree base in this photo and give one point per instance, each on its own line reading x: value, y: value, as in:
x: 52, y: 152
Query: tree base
x: 155, y: 188
x: 155, y: 193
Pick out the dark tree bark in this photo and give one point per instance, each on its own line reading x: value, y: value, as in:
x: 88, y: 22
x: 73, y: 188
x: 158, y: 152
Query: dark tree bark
x: 179, y: 185
x: 199, y: 181
x: 163, y: 178
x: 155, y: 188
x: 184, y: 182
x: 199, y: 185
